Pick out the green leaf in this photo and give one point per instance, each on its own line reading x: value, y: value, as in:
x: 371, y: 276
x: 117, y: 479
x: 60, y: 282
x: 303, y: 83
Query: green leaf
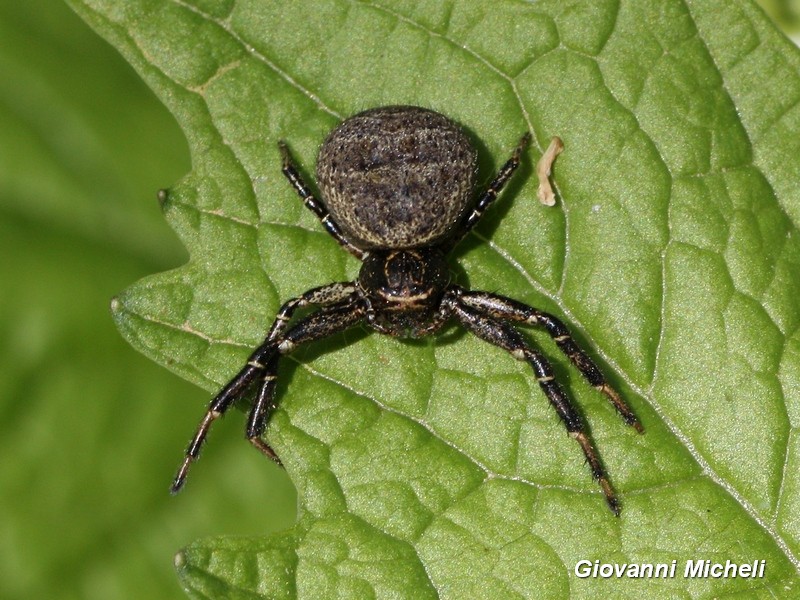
x: 91, y: 430
x: 436, y: 467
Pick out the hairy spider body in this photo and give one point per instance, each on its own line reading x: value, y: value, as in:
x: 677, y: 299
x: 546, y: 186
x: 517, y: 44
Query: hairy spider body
x: 396, y: 178
x: 397, y: 185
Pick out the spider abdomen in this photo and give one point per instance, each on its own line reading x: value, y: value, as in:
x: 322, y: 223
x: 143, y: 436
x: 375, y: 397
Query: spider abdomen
x: 397, y: 177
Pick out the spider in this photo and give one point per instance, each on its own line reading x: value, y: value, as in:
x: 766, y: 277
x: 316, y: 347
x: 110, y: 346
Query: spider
x: 398, y: 188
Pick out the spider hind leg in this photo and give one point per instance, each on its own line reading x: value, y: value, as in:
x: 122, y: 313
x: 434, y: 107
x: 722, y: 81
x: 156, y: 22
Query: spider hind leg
x: 487, y: 198
x: 313, y: 204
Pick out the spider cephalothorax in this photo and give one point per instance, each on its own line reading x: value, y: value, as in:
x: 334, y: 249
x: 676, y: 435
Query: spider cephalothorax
x: 397, y: 187
x: 402, y: 290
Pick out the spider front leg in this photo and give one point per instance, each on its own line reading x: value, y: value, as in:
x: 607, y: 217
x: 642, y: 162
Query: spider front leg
x: 501, y: 307
x: 506, y: 337
x: 321, y: 324
x: 341, y: 294
x: 325, y: 295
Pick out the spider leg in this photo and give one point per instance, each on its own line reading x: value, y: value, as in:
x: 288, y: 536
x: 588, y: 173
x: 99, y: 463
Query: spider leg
x: 491, y: 193
x: 325, y: 295
x: 219, y: 404
x: 328, y: 295
x: 503, y: 335
x: 318, y: 325
x: 501, y: 307
x: 293, y: 175
x: 262, y: 408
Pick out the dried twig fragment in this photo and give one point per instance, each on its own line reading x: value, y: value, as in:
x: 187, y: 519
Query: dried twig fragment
x: 545, y: 192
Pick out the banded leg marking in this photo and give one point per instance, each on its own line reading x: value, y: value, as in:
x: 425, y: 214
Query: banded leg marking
x: 506, y: 337
x: 264, y: 360
x: 491, y: 193
x: 502, y: 308
x: 321, y: 324
x: 293, y: 175
x: 325, y: 295
x: 219, y: 404
x: 262, y: 408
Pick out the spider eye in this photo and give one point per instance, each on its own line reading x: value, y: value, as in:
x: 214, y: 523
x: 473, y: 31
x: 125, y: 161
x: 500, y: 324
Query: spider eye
x: 404, y: 270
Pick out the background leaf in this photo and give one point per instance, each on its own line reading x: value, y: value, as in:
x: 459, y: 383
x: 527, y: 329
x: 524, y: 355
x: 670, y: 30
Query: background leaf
x: 673, y: 253
x: 92, y: 431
